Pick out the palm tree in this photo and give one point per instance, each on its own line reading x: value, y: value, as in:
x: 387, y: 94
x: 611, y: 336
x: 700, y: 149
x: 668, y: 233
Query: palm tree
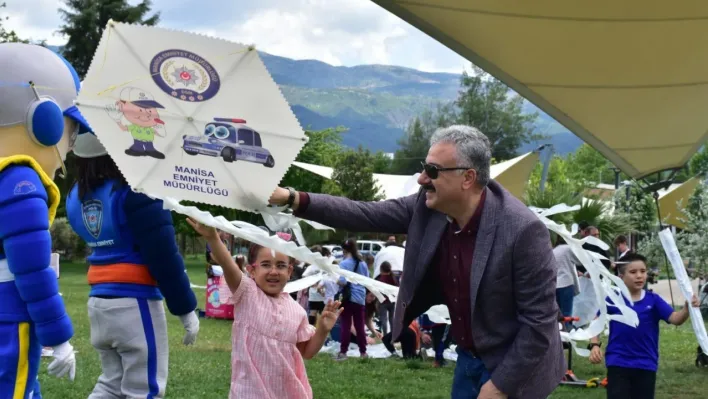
x: 598, y: 213
x: 592, y: 211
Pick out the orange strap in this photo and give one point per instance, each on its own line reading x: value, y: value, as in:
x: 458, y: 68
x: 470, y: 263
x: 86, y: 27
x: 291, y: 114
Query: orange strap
x: 120, y: 273
x: 416, y: 328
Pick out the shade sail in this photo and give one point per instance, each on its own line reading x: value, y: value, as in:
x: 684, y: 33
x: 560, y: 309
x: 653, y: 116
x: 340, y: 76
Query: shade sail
x: 629, y: 77
x: 668, y: 202
x: 512, y: 174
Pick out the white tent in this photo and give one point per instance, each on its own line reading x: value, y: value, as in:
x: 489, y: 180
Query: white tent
x: 512, y: 174
x: 628, y: 77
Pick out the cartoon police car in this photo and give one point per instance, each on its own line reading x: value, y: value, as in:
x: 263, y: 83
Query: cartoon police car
x: 230, y: 139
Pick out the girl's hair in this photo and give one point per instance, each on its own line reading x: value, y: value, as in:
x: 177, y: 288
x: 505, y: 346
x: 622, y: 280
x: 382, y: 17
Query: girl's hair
x: 253, y: 251
x: 241, y: 262
x: 92, y: 172
x: 350, y: 246
x: 372, y: 308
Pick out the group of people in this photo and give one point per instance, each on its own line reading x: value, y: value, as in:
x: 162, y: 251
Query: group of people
x: 471, y: 245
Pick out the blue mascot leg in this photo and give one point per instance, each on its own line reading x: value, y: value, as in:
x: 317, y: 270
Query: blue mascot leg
x: 20, y: 355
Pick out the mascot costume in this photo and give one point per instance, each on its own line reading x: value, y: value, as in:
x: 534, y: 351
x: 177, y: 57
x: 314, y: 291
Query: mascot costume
x: 134, y: 263
x: 38, y: 124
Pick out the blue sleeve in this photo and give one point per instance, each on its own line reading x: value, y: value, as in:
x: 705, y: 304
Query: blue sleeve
x: 24, y: 233
x: 662, y: 308
x: 365, y: 267
x: 154, y: 233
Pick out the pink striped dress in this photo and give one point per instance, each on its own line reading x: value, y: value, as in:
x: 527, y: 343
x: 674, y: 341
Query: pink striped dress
x: 265, y: 362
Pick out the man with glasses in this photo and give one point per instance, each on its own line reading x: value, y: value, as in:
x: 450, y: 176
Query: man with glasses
x: 475, y: 248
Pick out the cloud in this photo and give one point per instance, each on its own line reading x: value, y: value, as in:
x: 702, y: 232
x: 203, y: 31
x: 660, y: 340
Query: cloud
x: 34, y: 19
x: 338, y: 32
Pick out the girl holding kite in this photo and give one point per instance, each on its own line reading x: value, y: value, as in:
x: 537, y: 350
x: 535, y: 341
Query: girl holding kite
x: 271, y: 334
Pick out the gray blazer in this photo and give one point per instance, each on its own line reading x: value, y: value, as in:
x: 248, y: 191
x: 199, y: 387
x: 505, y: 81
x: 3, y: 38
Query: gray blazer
x: 513, y: 281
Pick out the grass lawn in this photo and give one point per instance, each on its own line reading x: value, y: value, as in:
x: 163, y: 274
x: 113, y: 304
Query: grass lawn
x: 203, y: 370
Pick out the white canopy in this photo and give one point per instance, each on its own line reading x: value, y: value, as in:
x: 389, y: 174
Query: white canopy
x: 512, y: 174
x: 628, y: 77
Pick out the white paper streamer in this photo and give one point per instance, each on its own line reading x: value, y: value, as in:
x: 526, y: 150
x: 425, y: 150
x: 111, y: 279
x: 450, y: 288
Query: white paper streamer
x: 439, y: 314
x: 276, y: 220
x: 301, y: 284
x: 672, y: 252
x: 256, y: 235
x: 602, y: 286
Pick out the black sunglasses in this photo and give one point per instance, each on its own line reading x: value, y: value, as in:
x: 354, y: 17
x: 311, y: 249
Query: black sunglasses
x: 433, y: 170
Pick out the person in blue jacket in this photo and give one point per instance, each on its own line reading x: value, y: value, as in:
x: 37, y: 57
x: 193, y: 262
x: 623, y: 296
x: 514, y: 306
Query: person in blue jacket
x: 134, y: 264
x: 38, y: 123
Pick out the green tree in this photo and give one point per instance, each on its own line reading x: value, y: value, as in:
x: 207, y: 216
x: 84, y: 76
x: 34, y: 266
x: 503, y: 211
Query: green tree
x: 324, y: 148
x: 692, y: 241
x: 8, y: 36
x: 485, y: 103
x: 85, y: 21
x: 699, y: 162
x: 588, y: 166
x: 382, y: 163
x: 413, y: 147
x: 354, y: 174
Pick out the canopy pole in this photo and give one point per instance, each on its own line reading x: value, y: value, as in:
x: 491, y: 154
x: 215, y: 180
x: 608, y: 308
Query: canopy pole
x: 666, y: 260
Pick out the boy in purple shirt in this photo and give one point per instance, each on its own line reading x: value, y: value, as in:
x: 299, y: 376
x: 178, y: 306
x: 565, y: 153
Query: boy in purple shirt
x: 632, y: 355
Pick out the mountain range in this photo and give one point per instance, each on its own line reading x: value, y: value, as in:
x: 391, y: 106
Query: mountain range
x: 376, y: 102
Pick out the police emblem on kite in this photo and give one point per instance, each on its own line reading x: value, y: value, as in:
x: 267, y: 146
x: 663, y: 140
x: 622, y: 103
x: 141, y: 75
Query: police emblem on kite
x: 185, y: 75
x: 92, y: 214
x: 190, y: 117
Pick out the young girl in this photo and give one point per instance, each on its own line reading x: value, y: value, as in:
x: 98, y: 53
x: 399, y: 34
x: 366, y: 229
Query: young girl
x: 271, y: 334
x: 354, y: 299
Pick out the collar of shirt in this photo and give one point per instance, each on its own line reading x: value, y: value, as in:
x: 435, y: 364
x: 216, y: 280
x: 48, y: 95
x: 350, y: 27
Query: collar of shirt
x: 473, y: 225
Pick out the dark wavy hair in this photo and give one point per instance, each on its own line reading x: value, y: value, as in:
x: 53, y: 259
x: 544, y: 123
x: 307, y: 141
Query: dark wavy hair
x: 92, y: 172
x: 351, y: 247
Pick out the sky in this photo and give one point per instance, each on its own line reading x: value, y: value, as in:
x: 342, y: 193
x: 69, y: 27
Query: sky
x: 338, y: 32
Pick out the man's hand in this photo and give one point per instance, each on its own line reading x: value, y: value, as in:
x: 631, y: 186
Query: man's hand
x: 596, y: 355
x: 279, y: 197
x: 490, y: 391
x: 64, y: 363
x: 190, y: 321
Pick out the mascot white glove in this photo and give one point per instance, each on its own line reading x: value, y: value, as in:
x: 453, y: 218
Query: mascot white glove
x: 64, y: 363
x: 190, y: 321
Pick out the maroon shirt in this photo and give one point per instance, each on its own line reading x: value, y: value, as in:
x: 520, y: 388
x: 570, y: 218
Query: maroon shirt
x: 454, y: 263
x: 388, y: 279
x: 453, y: 260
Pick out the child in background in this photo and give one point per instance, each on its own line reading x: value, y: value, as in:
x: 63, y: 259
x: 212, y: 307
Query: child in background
x: 633, y: 353
x: 271, y: 334
x: 387, y: 307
